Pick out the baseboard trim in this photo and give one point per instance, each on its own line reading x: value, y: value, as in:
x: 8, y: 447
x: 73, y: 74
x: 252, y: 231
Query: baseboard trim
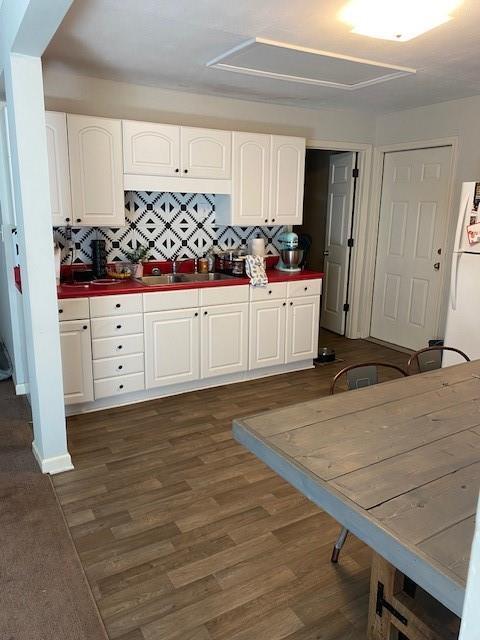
x: 389, y: 345
x: 56, y: 464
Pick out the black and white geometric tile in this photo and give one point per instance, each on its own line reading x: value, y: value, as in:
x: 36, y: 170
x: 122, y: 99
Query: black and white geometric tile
x: 171, y: 225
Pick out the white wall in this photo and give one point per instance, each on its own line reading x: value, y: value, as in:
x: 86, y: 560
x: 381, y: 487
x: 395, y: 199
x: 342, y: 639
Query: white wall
x: 92, y: 96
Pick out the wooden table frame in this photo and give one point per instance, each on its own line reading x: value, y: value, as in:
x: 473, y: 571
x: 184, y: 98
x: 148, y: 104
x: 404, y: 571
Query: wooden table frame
x: 271, y: 437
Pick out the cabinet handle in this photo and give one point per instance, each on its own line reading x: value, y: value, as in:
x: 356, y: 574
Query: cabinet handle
x: 205, y: 313
x: 120, y: 367
x: 119, y: 326
x: 85, y: 327
x: 185, y: 171
x: 118, y: 305
x: 120, y: 386
x: 177, y: 170
x: 78, y: 220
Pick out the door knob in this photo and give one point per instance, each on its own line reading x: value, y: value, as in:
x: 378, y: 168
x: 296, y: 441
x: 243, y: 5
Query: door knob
x: 436, y: 266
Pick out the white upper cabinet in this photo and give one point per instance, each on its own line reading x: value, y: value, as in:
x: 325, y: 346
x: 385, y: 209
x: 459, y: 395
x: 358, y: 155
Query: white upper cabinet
x: 58, y: 170
x: 249, y: 204
x: 96, y: 171
x: 287, y: 180
x: 151, y: 149
x: 206, y: 153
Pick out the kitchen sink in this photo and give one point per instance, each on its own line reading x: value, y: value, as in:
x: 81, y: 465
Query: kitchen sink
x: 179, y: 278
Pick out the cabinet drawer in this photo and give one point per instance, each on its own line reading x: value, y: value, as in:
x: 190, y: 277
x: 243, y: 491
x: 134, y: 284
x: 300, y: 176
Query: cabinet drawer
x: 123, y: 345
x: 270, y: 292
x: 73, y: 309
x: 115, y: 326
x: 118, y: 386
x: 304, y: 288
x: 170, y: 300
x: 223, y: 295
x: 120, y: 366
x: 116, y: 305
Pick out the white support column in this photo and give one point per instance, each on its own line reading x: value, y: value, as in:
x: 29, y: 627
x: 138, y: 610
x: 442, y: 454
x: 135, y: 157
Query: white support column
x: 26, y: 120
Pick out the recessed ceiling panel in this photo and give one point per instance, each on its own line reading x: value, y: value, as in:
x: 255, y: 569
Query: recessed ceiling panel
x: 290, y: 63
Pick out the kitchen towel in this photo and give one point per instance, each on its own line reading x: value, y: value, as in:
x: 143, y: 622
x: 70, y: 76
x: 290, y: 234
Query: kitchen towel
x: 255, y: 268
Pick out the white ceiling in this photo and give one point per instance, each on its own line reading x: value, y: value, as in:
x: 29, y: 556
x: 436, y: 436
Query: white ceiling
x: 168, y: 43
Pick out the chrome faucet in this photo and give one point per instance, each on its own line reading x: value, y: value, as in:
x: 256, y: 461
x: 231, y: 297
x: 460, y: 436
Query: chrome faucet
x: 174, y: 265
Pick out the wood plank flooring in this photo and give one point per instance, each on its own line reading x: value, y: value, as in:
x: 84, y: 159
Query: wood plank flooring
x: 185, y: 535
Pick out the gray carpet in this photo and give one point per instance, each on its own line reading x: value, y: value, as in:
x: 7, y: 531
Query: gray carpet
x: 44, y: 593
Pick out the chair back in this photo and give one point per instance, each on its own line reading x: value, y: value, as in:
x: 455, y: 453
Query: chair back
x: 430, y: 358
x: 363, y: 375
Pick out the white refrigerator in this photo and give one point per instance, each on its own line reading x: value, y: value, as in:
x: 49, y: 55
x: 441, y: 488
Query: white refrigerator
x: 463, y: 318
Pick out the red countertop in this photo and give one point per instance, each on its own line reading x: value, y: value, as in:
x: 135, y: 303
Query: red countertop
x: 134, y: 286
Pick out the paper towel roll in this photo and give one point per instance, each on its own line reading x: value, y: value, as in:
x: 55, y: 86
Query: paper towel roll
x: 257, y: 247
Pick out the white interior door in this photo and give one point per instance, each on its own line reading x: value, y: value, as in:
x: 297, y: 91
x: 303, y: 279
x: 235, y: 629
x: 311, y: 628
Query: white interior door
x: 339, y: 216
x: 411, y: 233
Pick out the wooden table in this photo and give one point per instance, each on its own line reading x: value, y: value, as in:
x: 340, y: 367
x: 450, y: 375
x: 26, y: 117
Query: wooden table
x: 398, y: 464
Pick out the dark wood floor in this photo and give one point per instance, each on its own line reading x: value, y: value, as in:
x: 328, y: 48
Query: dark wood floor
x: 184, y: 535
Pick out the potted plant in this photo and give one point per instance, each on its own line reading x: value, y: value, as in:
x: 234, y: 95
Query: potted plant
x: 136, y: 257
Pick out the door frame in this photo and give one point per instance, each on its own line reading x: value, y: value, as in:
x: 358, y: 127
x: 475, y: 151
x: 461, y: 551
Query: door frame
x: 353, y: 326
x: 369, y: 248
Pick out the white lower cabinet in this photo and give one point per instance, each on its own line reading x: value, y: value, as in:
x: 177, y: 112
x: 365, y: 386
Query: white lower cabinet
x: 267, y: 333
x: 172, y: 347
x: 76, y: 349
x: 224, y: 342
x: 302, y: 328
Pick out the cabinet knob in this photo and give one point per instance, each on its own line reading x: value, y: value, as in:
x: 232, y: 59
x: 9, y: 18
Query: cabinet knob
x: 120, y: 386
x: 67, y: 219
x: 305, y: 288
x: 284, y: 304
x: 270, y: 292
x: 291, y: 304
x: 118, y: 305
x: 85, y: 327
x: 196, y: 314
x: 273, y: 219
x: 205, y: 313
x: 119, y: 326
x: 120, y: 346
x: 185, y: 171
x: 177, y: 170
x: 266, y: 219
x: 78, y: 220
x: 120, y: 367
x: 60, y: 311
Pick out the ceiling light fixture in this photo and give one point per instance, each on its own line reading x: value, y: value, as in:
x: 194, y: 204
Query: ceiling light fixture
x: 399, y: 20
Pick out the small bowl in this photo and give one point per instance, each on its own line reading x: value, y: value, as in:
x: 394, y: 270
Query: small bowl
x: 122, y: 270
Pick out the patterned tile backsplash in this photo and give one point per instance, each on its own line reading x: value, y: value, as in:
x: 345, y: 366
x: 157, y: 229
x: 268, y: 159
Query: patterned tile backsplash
x: 180, y: 225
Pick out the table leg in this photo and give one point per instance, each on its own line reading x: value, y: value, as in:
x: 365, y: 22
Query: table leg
x: 380, y: 627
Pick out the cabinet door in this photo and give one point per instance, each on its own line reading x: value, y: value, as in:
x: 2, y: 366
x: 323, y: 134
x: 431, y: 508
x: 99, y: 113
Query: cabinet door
x: 206, y: 153
x: 224, y: 339
x: 58, y: 172
x: 172, y: 349
x: 76, y: 361
x: 267, y: 333
x: 288, y: 175
x: 251, y: 179
x: 151, y: 149
x: 96, y: 171
x: 302, y: 328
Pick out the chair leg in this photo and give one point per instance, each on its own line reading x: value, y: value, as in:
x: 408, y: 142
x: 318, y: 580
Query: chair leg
x: 339, y: 544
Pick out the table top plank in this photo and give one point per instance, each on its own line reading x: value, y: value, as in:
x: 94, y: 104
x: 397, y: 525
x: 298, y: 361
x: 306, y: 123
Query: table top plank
x: 347, y: 447
x: 397, y: 463
x: 429, y: 509
x: 452, y: 546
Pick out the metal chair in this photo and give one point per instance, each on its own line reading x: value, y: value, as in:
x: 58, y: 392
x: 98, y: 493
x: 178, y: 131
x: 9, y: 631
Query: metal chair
x: 358, y: 376
x: 430, y: 358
